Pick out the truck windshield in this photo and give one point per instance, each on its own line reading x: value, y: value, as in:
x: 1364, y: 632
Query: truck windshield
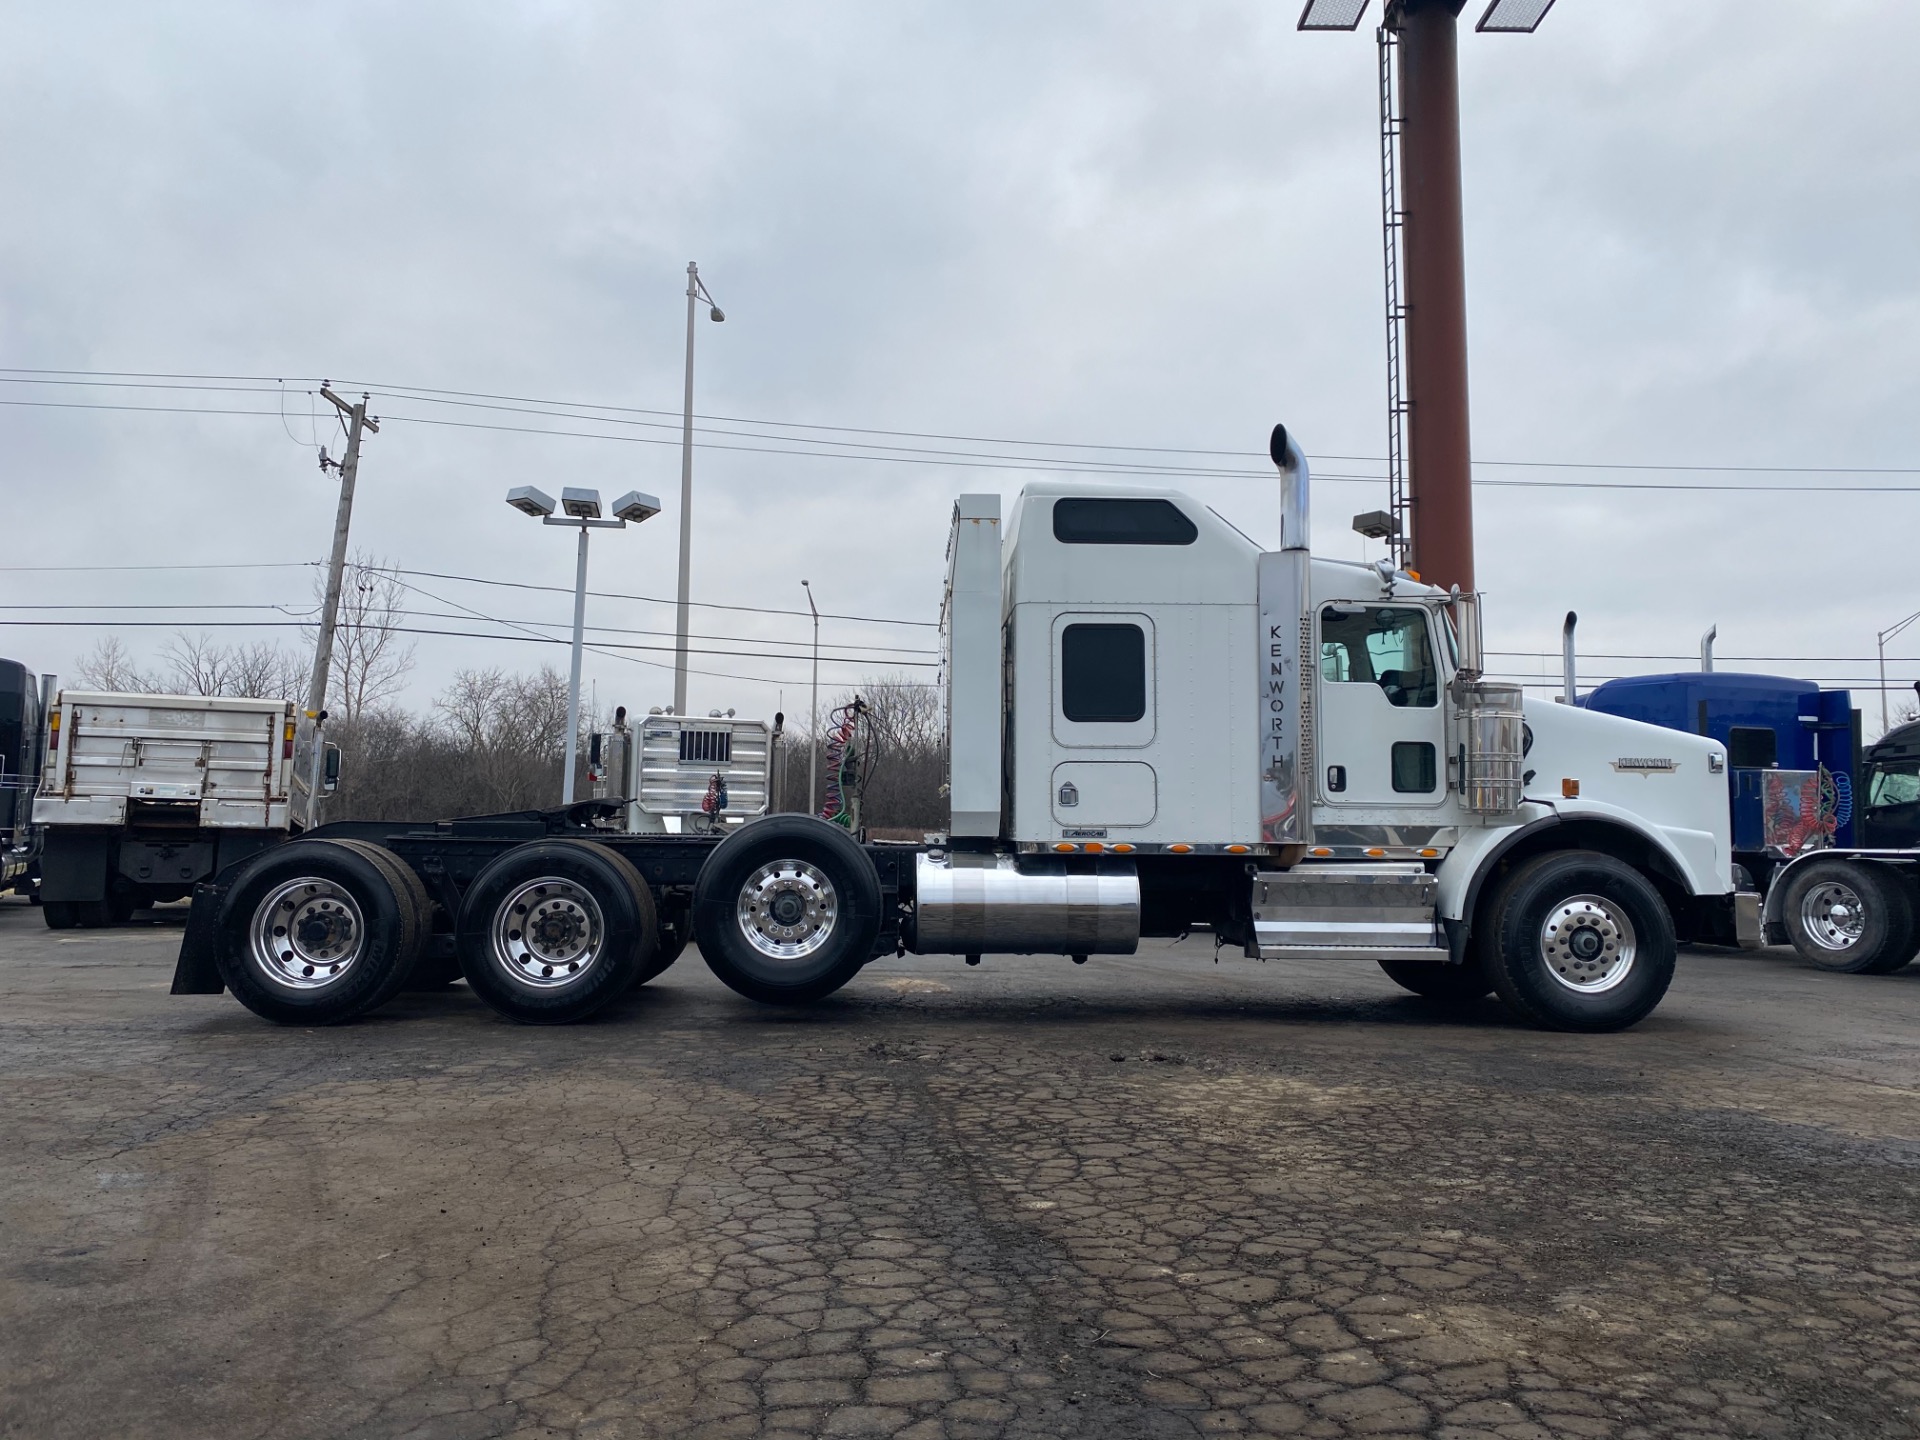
x: 1893, y: 783
x: 1384, y: 645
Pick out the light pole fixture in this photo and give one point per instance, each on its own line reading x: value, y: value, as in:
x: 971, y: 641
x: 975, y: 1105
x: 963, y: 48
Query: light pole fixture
x: 696, y: 292
x: 1429, y: 450
x: 581, y: 508
x: 1881, y: 640
x: 813, y: 739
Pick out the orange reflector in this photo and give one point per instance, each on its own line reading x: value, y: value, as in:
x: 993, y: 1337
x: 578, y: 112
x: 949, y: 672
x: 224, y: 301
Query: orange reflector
x: 1122, y: 849
x: 1413, y: 574
x: 1428, y: 854
x: 1569, y: 789
x: 1321, y: 850
x: 1064, y: 848
x: 1181, y: 849
x: 1236, y: 849
x: 1375, y: 853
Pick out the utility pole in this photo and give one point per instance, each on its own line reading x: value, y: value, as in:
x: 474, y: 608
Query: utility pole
x: 696, y: 292
x: 358, y: 421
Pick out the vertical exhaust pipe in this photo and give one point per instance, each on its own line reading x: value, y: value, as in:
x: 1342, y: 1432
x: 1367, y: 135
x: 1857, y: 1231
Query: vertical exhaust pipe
x: 1295, y: 485
x: 1706, y: 648
x: 1568, y: 689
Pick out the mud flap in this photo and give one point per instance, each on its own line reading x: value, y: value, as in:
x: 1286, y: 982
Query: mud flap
x: 197, y: 972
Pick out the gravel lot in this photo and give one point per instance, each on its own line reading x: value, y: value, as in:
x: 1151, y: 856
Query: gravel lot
x: 1153, y: 1196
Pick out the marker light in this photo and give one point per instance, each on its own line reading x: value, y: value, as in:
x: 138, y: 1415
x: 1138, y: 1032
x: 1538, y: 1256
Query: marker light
x: 1569, y: 789
x: 1180, y: 848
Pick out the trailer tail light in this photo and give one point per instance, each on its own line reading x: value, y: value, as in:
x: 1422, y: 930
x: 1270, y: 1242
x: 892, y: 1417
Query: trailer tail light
x: 286, y: 743
x: 53, y: 732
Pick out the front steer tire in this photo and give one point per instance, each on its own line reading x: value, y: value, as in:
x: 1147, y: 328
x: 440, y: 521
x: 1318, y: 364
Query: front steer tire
x: 1577, y: 940
x: 552, y: 931
x: 1850, y: 917
x: 316, y: 932
x: 786, y: 909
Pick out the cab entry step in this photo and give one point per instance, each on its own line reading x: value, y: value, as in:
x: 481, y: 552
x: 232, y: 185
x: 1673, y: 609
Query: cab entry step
x: 1352, y: 912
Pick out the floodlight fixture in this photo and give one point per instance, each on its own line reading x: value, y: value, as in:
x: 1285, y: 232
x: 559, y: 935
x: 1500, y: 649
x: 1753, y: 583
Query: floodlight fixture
x: 635, y: 507
x: 580, y: 504
x: 1376, y: 525
x: 1334, y: 14
x: 529, y: 501
x: 1514, y: 17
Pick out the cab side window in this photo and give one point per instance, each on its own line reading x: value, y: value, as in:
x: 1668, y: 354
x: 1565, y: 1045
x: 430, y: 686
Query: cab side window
x: 1384, y: 645
x: 1896, y: 784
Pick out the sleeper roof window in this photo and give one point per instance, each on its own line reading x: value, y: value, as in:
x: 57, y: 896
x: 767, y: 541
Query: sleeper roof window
x: 1088, y: 521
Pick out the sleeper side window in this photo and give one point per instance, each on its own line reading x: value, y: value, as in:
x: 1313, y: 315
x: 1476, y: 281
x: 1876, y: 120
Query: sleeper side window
x: 1103, y: 673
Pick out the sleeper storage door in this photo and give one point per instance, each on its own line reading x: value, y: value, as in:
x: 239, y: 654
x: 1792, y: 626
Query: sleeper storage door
x: 1382, y: 731
x: 1104, y: 722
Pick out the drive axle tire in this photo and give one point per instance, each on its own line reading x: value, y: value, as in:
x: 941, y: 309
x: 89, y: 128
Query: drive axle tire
x: 59, y: 914
x: 674, y: 926
x: 315, y: 932
x: 1848, y: 916
x: 1446, y: 984
x: 786, y: 909
x: 1577, y: 940
x: 551, y: 931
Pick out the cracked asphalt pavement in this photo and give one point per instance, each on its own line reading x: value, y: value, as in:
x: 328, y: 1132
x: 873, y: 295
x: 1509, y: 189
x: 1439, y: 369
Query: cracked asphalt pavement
x: 1151, y: 1196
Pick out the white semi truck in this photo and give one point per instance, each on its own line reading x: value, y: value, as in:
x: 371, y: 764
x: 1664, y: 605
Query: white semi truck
x: 1156, y: 728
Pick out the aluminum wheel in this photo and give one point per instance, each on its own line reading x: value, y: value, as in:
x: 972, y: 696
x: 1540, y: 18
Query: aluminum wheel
x: 549, y: 932
x: 1588, y: 943
x: 307, y: 933
x: 787, y: 910
x: 1833, y: 916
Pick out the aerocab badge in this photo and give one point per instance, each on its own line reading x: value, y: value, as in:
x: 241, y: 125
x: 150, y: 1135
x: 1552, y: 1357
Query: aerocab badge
x: 1645, y: 765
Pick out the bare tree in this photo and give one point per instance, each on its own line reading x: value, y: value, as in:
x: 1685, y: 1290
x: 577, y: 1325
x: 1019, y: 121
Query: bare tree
x: 371, y: 660
x: 511, y: 730
x: 267, y: 672
x: 108, y: 666
x: 196, y: 666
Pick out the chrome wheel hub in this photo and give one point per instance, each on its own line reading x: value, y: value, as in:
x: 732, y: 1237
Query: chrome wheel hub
x: 307, y: 934
x: 1833, y: 916
x: 1588, y: 943
x: 787, y: 910
x: 548, y: 933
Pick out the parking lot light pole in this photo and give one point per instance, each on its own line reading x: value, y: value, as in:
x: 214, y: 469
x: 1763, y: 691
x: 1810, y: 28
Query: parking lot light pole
x: 582, y: 508
x: 696, y: 292
x: 1881, y: 639
x: 813, y: 739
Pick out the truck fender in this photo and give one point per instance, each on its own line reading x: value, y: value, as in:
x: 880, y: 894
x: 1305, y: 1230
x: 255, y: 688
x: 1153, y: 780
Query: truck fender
x: 1459, y: 898
x: 197, y: 971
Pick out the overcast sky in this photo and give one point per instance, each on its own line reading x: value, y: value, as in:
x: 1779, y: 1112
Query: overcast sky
x: 1691, y: 239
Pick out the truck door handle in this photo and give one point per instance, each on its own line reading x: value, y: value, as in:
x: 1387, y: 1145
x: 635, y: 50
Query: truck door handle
x: 1336, y: 777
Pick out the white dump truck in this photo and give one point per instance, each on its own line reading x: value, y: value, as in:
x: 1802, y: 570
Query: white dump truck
x: 141, y: 797
x: 1156, y: 728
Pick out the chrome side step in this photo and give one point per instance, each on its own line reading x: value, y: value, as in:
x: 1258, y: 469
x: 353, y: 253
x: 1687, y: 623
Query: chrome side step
x: 1347, y: 912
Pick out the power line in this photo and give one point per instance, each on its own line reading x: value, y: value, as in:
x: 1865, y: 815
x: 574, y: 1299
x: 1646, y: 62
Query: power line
x: 430, y: 392
x: 1050, y: 464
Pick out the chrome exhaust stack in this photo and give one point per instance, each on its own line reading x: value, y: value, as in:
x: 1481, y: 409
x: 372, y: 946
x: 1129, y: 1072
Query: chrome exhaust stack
x: 1286, y: 658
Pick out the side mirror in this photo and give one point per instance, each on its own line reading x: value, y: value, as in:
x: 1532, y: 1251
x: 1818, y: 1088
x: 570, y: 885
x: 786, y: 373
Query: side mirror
x: 330, y: 769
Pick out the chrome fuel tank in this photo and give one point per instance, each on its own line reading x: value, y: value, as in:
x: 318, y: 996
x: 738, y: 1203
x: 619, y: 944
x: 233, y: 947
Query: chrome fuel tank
x: 980, y: 904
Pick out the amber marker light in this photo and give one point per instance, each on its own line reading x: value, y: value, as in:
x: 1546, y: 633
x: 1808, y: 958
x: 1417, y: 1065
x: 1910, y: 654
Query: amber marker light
x: 1093, y: 847
x: 1180, y: 848
x: 1121, y: 849
x: 1064, y: 849
x: 1237, y: 849
x: 1569, y: 789
x: 1429, y: 854
x: 1321, y: 851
